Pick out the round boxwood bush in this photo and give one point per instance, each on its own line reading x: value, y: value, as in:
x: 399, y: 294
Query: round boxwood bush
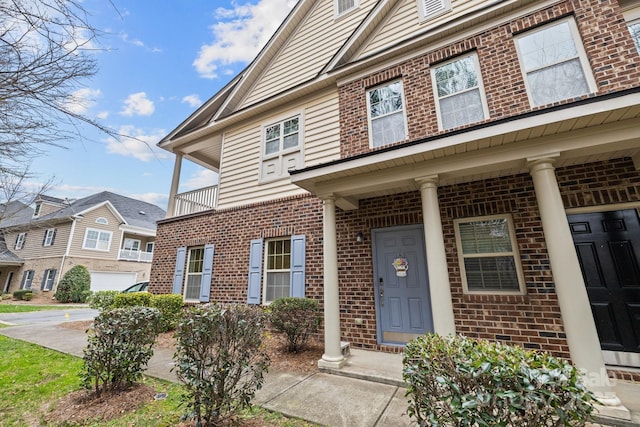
x: 75, y: 285
x: 463, y: 382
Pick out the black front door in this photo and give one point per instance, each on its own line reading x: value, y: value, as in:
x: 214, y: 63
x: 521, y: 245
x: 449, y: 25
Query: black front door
x: 608, y: 248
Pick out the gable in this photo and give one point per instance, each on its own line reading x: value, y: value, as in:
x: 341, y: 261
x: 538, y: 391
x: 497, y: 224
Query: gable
x: 307, y: 50
x: 406, y: 20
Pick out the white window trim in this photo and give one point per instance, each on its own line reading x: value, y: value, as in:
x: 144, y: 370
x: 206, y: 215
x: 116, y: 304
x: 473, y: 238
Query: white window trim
x: 48, y: 238
x: 84, y: 240
x: 634, y: 22
x: 337, y: 14
x: 582, y: 56
x: 37, y: 210
x: 266, y: 271
x: 446, y: 8
x: 514, y: 253
x: 102, y: 220
x: 369, y: 118
x: 278, y: 155
x: 150, y: 244
x: 20, y: 241
x: 187, y: 274
x: 483, y: 97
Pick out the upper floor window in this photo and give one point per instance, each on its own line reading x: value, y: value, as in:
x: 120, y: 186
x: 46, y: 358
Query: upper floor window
x: 150, y: 246
x: 432, y: 8
x: 98, y: 240
x: 282, y: 148
x: 36, y: 211
x: 131, y: 245
x: 459, y: 92
x: 488, y: 254
x: 20, y: 240
x: 102, y: 220
x: 554, y: 63
x: 387, y: 122
x: 343, y: 6
x: 49, y: 237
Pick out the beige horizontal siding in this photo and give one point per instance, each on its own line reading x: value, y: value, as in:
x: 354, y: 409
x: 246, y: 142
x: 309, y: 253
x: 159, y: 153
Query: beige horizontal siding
x: 405, y: 22
x: 33, y: 247
x: 89, y: 221
x: 240, y: 167
x: 298, y: 62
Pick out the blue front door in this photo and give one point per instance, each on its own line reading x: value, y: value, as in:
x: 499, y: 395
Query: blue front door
x: 403, y: 307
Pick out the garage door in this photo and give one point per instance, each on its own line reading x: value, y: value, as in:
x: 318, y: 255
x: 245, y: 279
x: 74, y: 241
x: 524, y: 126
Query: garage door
x: 110, y: 281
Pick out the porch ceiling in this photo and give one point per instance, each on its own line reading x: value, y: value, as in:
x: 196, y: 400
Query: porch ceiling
x: 587, y: 132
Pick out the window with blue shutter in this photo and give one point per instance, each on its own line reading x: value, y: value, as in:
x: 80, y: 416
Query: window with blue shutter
x: 178, y: 275
x: 284, y: 267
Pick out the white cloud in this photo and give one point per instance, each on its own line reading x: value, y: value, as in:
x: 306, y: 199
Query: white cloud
x: 200, y: 179
x: 103, y: 115
x: 158, y: 199
x: 82, y: 99
x: 193, y: 100
x: 240, y: 33
x: 138, y: 144
x: 138, y: 104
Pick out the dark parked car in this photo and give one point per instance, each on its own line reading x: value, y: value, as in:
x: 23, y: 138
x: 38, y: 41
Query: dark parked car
x: 138, y: 287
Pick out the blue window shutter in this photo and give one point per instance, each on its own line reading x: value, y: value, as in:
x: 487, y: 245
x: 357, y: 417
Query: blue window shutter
x: 179, y: 272
x: 24, y: 279
x: 297, y: 266
x: 255, y: 272
x: 207, y: 271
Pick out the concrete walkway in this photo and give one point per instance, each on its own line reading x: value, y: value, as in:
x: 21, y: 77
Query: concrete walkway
x: 366, y: 392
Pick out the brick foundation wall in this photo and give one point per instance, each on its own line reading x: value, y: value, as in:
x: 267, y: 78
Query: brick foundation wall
x: 532, y: 320
x: 605, y: 36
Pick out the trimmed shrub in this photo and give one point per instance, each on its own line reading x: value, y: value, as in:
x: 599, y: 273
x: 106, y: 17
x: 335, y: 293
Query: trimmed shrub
x: 23, y: 294
x: 458, y: 381
x: 119, y: 347
x: 220, y: 359
x: 170, y: 307
x: 297, y: 318
x: 75, y: 285
x: 132, y: 299
x: 103, y: 300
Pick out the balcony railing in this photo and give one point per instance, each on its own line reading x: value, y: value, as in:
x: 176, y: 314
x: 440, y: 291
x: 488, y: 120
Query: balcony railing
x: 194, y: 201
x: 131, y: 255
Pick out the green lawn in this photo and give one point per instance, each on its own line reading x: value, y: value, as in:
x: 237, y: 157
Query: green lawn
x: 34, y: 378
x: 23, y: 308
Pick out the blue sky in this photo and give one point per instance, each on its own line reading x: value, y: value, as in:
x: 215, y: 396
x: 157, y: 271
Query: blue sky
x: 157, y: 63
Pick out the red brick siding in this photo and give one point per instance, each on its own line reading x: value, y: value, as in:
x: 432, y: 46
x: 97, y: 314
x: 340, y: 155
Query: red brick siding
x: 532, y: 320
x: 605, y: 36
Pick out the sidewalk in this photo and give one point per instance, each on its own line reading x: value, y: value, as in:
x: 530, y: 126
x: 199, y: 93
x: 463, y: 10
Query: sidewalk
x: 367, y: 392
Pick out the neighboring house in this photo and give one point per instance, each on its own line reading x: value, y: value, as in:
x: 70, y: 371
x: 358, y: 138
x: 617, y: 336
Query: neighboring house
x: 457, y: 166
x: 112, y: 235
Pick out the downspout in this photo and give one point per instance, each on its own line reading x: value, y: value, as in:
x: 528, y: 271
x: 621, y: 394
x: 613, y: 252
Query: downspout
x: 66, y: 253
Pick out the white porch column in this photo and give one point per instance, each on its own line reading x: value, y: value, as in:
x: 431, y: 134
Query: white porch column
x: 439, y: 286
x: 580, y: 328
x: 332, y: 357
x: 175, y: 181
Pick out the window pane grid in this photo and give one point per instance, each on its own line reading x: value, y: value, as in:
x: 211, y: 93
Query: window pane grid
x: 278, y: 267
x: 552, y: 63
x: 634, y: 29
x: 194, y: 274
